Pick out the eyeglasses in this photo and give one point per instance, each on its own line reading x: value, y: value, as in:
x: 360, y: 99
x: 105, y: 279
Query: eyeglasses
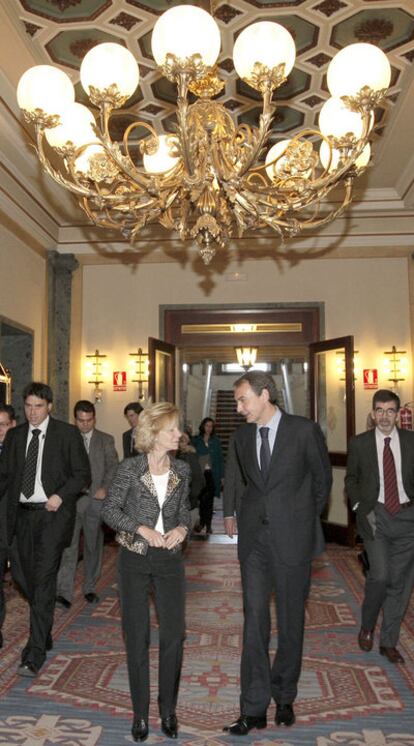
x: 386, y: 412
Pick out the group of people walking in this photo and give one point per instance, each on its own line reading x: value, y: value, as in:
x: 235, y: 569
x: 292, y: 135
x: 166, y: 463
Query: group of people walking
x: 276, y: 484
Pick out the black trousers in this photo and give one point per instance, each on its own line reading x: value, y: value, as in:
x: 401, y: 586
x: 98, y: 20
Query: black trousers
x: 261, y: 575
x: 11, y: 554
x: 40, y: 552
x: 163, y: 572
x: 207, y: 500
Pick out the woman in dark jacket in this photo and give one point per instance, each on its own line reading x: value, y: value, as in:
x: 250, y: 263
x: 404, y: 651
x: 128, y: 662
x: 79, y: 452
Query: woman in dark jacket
x: 210, y: 455
x: 147, y: 505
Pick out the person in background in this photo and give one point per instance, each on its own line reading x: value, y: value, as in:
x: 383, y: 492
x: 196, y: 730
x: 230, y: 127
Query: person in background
x: 147, y: 505
x: 208, y: 448
x: 43, y: 469
x: 103, y: 460
x: 7, y: 420
x: 132, y: 411
x: 187, y: 453
x: 379, y: 483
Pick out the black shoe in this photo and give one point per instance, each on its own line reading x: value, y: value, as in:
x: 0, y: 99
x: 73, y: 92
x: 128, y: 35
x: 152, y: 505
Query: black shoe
x: 28, y: 670
x: 169, y: 726
x: 244, y: 724
x: 62, y: 601
x: 284, y: 715
x: 91, y: 598
x: 139, y: 730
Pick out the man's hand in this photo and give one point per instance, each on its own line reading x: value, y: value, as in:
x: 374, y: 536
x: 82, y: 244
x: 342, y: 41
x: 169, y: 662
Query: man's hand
x: 53, y: 503
x: 230, y: 526
x: 100, y: 493
x: 153, y: 537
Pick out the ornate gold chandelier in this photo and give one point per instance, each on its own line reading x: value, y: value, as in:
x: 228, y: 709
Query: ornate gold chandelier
x: 206, y: 181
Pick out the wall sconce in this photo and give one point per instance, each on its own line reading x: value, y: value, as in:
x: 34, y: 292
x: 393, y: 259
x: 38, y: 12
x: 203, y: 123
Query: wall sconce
x: 95, y: 373
x: 246, y: 356
x: 340, y: 365
x: 396, y: 365
x: 141, y: 370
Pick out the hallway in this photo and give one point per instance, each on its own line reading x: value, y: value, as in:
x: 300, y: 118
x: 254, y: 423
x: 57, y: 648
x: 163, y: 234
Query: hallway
x: 81, y: 697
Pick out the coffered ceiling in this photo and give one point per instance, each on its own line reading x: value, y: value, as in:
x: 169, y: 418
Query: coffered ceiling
x: 60, y: 32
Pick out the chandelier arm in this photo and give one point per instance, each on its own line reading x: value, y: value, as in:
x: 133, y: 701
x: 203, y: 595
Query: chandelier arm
x: 265, y: 121
x: 182, y: 114
x: 75, y: 188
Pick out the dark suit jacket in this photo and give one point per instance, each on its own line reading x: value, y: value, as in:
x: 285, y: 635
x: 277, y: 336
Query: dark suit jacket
x: 292, y: 498
x: 362, y: 481
x: 126, y: 444
x: 65, y: 472
x: 103, y: 460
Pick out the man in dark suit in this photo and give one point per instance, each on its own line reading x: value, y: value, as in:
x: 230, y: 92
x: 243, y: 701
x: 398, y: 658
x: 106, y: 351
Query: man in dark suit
x: 7, y: 420
x: 132, y: 411
x: 380, y: 486
x: 43, y: 468
x: 103, y: 460
x: 284, y: 464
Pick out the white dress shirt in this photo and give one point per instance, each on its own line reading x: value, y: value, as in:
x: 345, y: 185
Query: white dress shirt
x: 396, y: 452
x: 273, y: 425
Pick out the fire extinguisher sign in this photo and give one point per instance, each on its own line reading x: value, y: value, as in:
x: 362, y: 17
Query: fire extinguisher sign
x: 370, y: 378
x: 119, y: 380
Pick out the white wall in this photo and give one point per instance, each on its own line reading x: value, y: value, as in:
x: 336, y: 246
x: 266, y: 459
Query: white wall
x: 368, y: 298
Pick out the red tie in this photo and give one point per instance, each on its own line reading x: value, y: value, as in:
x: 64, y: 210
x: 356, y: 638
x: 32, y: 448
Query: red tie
x: 391, y: 499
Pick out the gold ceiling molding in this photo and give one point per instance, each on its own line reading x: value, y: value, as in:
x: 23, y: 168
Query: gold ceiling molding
x: 278, y: 328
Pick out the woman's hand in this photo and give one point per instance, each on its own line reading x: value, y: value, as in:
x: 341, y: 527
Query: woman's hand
x: 174, y: 537
x: 153, y: 537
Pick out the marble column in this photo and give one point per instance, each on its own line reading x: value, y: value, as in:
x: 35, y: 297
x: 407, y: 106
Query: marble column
x: 60, y: 269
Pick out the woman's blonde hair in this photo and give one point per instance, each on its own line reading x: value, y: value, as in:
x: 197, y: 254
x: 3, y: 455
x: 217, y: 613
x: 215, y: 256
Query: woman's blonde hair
x: 154, y: 418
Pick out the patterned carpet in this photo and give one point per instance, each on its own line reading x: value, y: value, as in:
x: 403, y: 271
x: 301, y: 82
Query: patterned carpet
x: 80, y: 697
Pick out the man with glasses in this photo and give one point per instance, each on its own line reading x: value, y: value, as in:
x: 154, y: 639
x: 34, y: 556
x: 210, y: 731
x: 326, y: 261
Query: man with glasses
x: 380, y: 486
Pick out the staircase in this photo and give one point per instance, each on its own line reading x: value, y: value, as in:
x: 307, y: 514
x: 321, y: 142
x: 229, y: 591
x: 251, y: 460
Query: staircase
x: 225, y: 416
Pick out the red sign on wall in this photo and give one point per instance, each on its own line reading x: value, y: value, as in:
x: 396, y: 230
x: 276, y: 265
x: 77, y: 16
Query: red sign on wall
x: 370, y: 378
x: 120, y: 380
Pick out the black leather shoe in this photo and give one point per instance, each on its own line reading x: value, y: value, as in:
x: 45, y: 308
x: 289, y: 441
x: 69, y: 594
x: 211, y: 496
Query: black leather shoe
x: 284, y: 715
x: 62, y: 601
x: 139, y: 730
x: 169, y: 726
x: 244, y: 724
x: 29, y: 670
x: 91, y: 598
x: 366, y: 639
x: 393, y: 655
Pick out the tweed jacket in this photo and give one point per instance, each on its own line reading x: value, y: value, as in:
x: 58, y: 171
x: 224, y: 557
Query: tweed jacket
x: 132, y: 501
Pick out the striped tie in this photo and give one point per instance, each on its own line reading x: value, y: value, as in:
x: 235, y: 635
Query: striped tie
x: 391, y: 499
x: 30, y: 465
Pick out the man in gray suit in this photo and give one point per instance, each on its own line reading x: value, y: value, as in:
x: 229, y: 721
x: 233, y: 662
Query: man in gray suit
x: 380, y: 485
x: 103, y: 460
x: 283, y: 461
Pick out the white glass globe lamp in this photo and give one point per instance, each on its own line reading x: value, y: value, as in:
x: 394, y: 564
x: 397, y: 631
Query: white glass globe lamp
x: 162, y: 160
x: 82, y: 162
x: 325, y: 153
x: 356, y: 66
x: 336, y: 120
x: 110, y: 64
x: 184, y: 31
x: 75, y: 126
x: 46, y: 88
x: 266, y: 42
x: 275, y: 152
